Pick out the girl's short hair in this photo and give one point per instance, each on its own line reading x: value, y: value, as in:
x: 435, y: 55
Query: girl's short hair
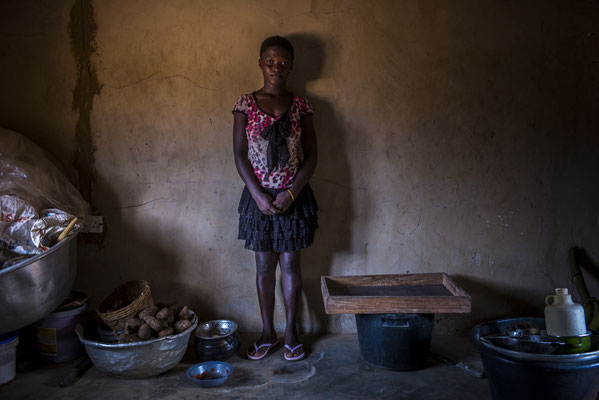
x: 277, y: 41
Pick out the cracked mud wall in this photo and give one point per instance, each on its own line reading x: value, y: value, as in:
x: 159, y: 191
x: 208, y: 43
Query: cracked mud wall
x: 82, y: 29
x: 459, y: 138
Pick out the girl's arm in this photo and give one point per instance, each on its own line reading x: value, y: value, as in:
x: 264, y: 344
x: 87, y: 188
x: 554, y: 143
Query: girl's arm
x: 240, y: 150
x: 307, y: 167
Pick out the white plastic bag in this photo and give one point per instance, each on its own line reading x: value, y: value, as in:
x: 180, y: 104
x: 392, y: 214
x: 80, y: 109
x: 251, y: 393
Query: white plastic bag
x: 27, y: 171
x: 36, y: 200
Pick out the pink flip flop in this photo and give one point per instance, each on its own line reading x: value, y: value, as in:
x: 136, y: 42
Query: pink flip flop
x: 291, y: 350
x: 257, y: 348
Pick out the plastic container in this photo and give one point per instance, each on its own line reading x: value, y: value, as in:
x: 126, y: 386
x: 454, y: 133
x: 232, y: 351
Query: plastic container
x: 516, y: 375
x: 8, y: 357
x: 395, y: 341
x: 563, y: 317
x: 57, y: 341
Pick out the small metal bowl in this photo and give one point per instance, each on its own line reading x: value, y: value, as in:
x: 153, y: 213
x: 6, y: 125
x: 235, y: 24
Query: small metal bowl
x: 210, y: 373
x: 574, y: 344
x: 216, y: 329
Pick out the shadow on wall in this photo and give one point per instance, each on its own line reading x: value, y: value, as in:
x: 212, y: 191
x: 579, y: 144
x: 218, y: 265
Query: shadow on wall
x: 127, y: 249
x: 491, y: 302
x: 588, y: 266
x: 134, y: 255
x: 331, y: 181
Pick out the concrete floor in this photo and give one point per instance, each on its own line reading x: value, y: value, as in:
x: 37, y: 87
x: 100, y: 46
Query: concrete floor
x: 333, y: 370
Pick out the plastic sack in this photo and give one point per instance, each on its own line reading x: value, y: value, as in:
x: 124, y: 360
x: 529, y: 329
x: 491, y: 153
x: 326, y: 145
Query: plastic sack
x: 36, y: 200
x: 27, y: 171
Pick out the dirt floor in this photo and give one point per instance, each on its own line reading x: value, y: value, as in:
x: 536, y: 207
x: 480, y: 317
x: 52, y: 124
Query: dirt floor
x: 333, y: 370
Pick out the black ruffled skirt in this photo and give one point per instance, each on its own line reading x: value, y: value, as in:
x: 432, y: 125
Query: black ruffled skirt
x: 290, y: 231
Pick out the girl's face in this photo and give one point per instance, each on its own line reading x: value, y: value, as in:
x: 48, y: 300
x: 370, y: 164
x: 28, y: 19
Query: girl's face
x: 275, y: 63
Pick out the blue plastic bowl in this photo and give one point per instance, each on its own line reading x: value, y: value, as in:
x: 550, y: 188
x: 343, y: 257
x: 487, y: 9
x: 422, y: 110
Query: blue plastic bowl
x: 210, y: 373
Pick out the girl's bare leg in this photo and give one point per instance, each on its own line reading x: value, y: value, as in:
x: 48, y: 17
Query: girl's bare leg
x: 266, y: 265
x: 291, y: 278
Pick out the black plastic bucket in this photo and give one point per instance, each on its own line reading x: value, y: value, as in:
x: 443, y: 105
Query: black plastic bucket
x: 395, y: 341
x: 536, y: 376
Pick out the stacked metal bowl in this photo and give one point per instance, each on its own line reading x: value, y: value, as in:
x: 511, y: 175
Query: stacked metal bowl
x: 216, y: 340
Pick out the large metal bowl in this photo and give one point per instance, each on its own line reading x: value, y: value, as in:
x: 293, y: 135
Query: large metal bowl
x: 34, y: 287
x: 139, y: 359
x: 481, y: 330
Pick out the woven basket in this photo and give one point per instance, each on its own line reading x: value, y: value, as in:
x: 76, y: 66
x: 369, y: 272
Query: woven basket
x: 135, y: 293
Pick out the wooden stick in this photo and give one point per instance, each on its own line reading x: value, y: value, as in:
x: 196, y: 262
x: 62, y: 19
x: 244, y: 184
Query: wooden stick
x: 67, y: 230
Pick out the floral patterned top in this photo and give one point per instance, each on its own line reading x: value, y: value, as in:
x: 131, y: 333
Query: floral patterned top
x: 269, y: 175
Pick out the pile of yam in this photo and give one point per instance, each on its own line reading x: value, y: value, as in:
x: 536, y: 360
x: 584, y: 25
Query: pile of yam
x: 156, y: 322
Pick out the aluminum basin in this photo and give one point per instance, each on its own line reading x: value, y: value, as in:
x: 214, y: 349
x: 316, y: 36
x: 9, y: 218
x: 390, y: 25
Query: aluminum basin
x: 33, y: 288
x: 135, y: 360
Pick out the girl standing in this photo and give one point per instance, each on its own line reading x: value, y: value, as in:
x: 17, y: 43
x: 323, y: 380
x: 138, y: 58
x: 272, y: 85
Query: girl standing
x: 275, y: 150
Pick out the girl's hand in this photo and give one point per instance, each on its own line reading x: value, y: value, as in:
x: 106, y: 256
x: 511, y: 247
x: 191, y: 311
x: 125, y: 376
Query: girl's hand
x: 265, y: 204
x: 283, y: 201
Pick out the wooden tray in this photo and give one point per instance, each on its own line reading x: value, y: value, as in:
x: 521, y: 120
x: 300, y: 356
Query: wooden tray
x: 396, y: 294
